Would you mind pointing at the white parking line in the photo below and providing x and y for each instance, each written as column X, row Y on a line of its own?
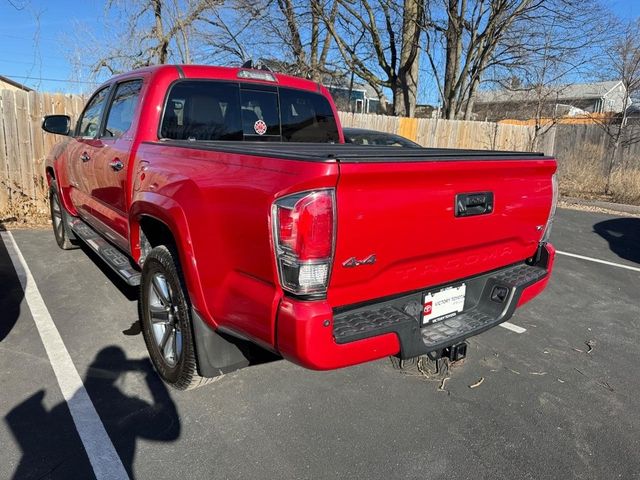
column 104, row 459
column 596, row 260
column 512, row 327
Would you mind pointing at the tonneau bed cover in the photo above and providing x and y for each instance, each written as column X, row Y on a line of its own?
column 349, row 153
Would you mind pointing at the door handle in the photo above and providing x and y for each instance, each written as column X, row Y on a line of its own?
column 116, row 164
column 85, row 157
column 469, row 204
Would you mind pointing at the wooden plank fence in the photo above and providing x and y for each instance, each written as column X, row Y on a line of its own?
column 441, row 133
column 24, row 146
column 582, row 150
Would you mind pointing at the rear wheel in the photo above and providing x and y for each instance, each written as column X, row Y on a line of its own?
column 58, row 218
column 165, row 316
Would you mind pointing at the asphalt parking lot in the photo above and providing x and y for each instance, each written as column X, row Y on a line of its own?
column 546, row 407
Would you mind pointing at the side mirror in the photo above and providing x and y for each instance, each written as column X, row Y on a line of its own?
column 58, row 124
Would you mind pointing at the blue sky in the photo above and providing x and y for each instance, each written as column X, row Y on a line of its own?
column 37, row 52
column 36, row 41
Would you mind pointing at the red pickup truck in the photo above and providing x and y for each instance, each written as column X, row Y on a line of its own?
column 229, row 196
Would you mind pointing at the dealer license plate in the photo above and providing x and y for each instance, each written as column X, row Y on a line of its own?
column 447, row 303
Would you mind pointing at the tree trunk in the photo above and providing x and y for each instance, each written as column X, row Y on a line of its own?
column 468, row 110
column 405, row 92
column 453, row 37
column 406, row 82
column 162, row 50
column 314, row 73
column 350, row 107
column 612, row 161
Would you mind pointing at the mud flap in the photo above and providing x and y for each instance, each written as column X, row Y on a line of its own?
column 216, row 353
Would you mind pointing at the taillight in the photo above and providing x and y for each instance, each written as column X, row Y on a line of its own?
column 552, row 212
column 303, row 230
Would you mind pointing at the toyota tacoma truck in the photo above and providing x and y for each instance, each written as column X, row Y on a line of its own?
column 229, row 197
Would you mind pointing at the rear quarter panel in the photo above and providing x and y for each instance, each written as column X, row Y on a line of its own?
column 219, row 204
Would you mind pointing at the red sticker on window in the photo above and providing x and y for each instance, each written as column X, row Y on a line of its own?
column 260, row 127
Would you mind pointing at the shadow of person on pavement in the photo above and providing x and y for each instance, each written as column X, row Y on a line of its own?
column 11, row 293
column 623, row 235
column 48, row 438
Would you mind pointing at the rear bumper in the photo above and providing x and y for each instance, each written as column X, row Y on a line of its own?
column 314, row 335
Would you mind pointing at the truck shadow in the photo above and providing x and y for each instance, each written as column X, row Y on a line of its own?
column 11, row 293
column 131, row 293
column 623, row 235
column 254, row 354
column 50, row 447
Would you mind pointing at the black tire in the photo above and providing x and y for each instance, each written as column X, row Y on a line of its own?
column 162, row 289
column 58, row 219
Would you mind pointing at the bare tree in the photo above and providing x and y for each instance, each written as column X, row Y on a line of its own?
column 157, row 31
column 392, row 31
column 301, row 26
column 230, row 38
column 545, row 66
column 17, row 5
column 622, row 63
column 289, row 35
column 480, row 35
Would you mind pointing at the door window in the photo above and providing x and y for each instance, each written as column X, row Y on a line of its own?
column 122, row 109
column 89, row 123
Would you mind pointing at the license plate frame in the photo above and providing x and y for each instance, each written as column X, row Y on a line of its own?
column 442, row 304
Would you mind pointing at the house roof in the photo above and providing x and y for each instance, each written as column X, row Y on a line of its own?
column 561, row 92
column 15, row 84
column 342, row 83
column 338, row 80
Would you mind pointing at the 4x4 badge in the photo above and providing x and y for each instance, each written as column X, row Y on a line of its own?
column 354, row 262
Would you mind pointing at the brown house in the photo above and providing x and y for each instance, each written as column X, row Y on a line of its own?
column 8, row 84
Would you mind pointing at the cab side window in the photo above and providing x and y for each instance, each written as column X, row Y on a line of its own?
column 122, row 109
column 89, row 123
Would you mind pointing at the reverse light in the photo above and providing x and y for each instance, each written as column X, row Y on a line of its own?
column 552, row 212
column 303, row 232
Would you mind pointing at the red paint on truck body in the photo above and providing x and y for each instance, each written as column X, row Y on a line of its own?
column 218, row 205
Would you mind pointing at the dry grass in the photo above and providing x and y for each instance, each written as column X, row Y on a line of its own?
column 625, row 186
column 20, row 210
column 582, row 175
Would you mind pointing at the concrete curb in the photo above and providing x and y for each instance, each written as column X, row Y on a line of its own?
column 615, row 207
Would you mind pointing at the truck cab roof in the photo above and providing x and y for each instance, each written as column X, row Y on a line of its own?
column 248, row 75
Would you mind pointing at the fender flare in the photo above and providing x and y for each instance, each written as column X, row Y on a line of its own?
column 169, row 212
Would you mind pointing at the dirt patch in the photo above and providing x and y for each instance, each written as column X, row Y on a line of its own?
column 592, row 208
column 36, row 222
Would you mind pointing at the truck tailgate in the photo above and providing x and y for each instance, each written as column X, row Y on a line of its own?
column 398, row 231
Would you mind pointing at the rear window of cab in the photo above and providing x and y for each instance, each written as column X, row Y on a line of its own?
column 201, row 110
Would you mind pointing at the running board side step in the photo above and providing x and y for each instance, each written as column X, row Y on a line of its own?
column 113, row 257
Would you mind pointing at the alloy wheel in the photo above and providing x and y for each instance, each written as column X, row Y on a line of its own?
column 164, row 315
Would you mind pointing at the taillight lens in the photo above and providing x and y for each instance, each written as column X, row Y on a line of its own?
column 303, row 226
column 552, row 212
